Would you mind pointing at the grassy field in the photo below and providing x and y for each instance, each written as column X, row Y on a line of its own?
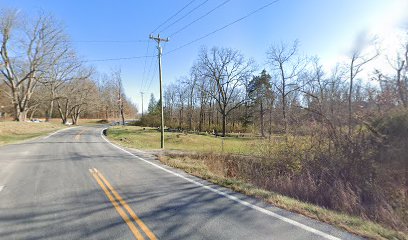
column 12, row 132
column 207, row 168
column 147, row 138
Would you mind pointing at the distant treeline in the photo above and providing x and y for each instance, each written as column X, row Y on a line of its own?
column 42, row 76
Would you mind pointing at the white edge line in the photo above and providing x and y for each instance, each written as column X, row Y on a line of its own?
column 235, row 199
column 51, row 134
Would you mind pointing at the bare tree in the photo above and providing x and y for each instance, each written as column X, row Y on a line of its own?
column 170, row 102
column 117, row 79
column 191, row 83
column 400, row 80
column 357, row 61
column 284, row 61
column 181, row 96
column 59, row 73
column 75, row 94
column 227, row 70
column 40, row 46
column 108, row 96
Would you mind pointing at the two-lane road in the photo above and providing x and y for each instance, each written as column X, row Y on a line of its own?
column 75, row 185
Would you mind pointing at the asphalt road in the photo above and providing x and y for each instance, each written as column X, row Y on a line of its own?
column 75, row 185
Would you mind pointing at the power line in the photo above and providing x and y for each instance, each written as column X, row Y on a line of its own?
column 206, row 14
column 148, row 74
column 222, row 28
column 153, row 76
column 107, row 41
column 117, row 59
column 145, row 61
column 174, row 15
column 185, row 15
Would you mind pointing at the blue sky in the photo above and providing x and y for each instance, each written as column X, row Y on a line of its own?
column 326, row 28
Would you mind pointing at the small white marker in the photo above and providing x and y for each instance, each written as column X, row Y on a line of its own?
column 1, row 188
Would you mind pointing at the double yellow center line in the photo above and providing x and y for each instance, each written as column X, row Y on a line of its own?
column 122, row 207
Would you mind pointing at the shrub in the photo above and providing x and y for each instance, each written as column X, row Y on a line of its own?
column 364, row 174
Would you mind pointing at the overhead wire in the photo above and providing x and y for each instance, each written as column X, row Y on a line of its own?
column 148, row 84
column 145, row 61
column 184, row 16
column 153, row 76
column 116, row 59
column 155, row 71
column 173, row 16
column 201, row 17
column 148, row 74
column 107, row 41
column 223, row 27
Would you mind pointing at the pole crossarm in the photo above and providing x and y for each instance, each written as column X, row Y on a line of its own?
column 158, row 39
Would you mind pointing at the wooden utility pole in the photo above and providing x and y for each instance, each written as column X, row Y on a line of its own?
column 158, row 40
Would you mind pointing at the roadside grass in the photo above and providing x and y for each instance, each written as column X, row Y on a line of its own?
column 13, row 132
column 147, row 138
column 356, row 225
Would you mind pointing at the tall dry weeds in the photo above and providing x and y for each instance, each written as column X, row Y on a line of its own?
column 363, row 174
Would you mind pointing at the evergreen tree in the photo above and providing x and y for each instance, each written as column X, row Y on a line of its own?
column 260, row 90
column 152, row 104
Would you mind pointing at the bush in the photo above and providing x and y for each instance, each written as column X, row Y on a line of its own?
column 364, row 174
column 103, row 121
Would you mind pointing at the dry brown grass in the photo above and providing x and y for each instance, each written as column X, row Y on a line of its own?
column 12, row 132
column 243, row 174
column 362, row 174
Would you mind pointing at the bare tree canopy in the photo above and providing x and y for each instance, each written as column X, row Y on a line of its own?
column 288, row 66
column 39, row 67
column 226, row 70
column 42, row 44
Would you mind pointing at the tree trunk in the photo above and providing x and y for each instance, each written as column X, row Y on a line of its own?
column 73, row 118
column 19, row 114
column 270, row 121
column 33, row 112
column 262, row 119
column 190, row 113
column 122, row 115
column 48, row 114
column 75, row 115
column 350, row 110
column 401, row 86
column 63, row 115
column 224, row 124
column 181, row 116
column 190, row 119
column 285, row 121
column 22, row 116
column 200, row 123
column 106, row 113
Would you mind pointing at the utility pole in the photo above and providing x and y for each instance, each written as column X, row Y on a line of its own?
column 158, row 40
column 142, row 102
